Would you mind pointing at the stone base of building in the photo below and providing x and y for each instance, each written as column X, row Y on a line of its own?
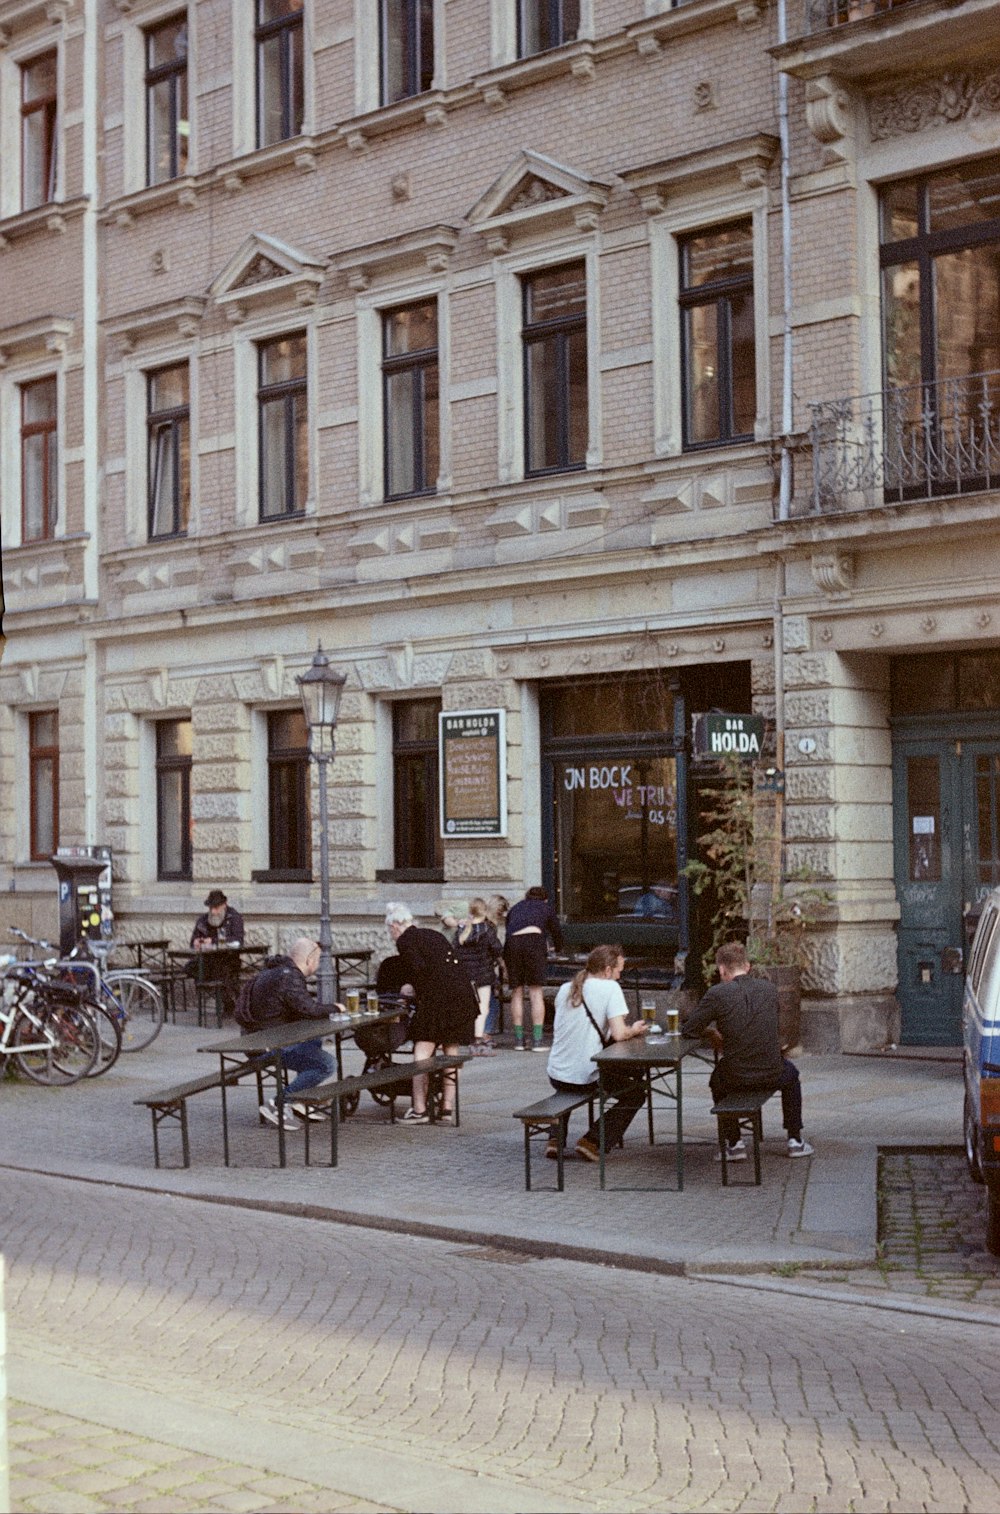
column 854, row 1022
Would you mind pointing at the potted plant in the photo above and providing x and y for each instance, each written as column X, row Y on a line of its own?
column 753, row 900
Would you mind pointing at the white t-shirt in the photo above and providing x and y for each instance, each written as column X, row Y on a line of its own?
column 575, row 1041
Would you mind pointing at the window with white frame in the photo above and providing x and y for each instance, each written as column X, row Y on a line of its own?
column 173, row 798
column 168, row 427
column 43, row 784
column 280, row 70
column 39, row 115
column 542, row 24
column 168, row 124
column 411, row 399
column 554, row 342
column 39, row 449
column 407, row 48
column 283, row 426
column 718, row 347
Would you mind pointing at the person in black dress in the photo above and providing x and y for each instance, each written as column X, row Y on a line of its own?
column 446, row 1001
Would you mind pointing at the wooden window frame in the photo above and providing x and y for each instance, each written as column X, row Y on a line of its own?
column 720, row 293
column 170, row 422
column 419, row 363
column 555, row 11
column 281, row 27
column 297, row 758
column 171, row 72
column 50, row 497
column 420, row 75
column 37, row 754
column 555, row 333
column 49, row 104
column 286, row 393
column 405, row 754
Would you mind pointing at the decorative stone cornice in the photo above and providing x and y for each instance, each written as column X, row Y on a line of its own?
column 429, row 247
column 830, row 117
column 32, row 339
column 745, row 162
column 51, row 218
column 833, row 572
column 154, row 322
column 918, row 103
column 266, row 271
column 17, row 16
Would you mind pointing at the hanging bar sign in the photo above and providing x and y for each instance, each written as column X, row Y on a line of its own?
column 473, row 773
column 720, row 735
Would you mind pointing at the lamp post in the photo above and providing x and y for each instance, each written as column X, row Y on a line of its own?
column 321, row 689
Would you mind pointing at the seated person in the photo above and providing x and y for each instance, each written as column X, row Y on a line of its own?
column 744, row 1011
column 591, row 1013
column 279, row 996
column 656, row 902
column 219, row 926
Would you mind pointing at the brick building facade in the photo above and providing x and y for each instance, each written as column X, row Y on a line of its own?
column 596, row 363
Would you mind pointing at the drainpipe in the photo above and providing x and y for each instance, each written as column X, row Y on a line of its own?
column 93, row 464
column 785, row 481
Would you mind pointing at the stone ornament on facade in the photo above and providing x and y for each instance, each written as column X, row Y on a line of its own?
column 928, row 625
column 830, row 117
column 920, row 103
column 537, row 195
column 833, row 572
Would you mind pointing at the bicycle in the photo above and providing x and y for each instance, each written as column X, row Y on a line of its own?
column 48, row 1032
column 44, row 976
column 133, row 1001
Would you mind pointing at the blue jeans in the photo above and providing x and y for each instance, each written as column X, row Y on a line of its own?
column 312, row 1064
column 493, row 1018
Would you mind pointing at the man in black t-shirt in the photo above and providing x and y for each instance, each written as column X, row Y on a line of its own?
column 744, row 1011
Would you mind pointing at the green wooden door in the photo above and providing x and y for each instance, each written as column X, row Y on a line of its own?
column 946, row 808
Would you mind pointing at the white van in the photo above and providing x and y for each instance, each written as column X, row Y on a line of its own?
column 981, row 1038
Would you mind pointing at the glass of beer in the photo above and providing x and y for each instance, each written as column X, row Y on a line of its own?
column 647, row 1008
column 353, row 1001
column 371, row 998
column 673, row 1022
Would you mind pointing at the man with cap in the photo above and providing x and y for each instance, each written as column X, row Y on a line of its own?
column 220, row 926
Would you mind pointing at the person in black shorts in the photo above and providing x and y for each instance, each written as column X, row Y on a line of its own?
column 525, row 956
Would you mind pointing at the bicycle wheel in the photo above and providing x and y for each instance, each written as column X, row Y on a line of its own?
column 138, row 1007
column 57, row 1044
column 109, row 1033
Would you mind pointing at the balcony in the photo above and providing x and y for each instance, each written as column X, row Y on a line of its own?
column 909, row 443
column 821, row 15
column 866, row 43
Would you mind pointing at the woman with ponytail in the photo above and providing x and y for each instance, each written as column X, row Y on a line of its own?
column 591, row 1013
column 478, row 948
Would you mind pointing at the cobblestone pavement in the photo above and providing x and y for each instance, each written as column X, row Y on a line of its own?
column 932, row 1234
column 419, row 1374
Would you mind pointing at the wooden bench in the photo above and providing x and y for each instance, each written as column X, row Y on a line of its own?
column 551, row 1116
column 171, row 1103
column 747, row 1108
column 337, row 1089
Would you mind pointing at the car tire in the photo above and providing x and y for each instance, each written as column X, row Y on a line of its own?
column 972, row 1154
column 993, row 1218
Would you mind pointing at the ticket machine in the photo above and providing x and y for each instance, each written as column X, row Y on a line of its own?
column 84, row 874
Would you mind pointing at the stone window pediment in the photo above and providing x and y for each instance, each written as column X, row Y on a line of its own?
column 16, row 16
column 153, row 323
column 265, row 271
column 536, row 197
column 428, row 249
column 743, row 164
column 28, row 340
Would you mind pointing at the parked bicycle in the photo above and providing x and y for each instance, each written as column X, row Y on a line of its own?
column 46, row 1028
column 48, row 974
column 135, row 1003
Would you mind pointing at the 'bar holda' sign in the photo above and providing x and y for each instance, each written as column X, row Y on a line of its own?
column 721, row 735
column 473, row 773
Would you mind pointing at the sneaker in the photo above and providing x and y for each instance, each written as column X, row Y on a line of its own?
column 416, row 1117
column 269, row 1111
column 799, row 1148
column 521, row 1045
column 483, row 1049
column 310, row 1112
column 587, row 1150
column 737, row 1153
column 552, row 1152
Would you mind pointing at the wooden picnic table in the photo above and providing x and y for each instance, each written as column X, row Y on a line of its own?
column 659, row 1059
column 181, row 956
column 261, row 1048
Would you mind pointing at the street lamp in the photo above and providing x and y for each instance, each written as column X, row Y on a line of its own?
column 321, row 689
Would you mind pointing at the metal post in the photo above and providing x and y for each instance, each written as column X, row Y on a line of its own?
column 324, row 974
column 4, row 1458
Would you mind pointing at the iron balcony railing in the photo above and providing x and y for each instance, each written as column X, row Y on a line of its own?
column 910, row 442
column 821, row 15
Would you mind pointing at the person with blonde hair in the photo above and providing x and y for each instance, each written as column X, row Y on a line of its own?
column 478, row 948
column 591, row 1014
column 446, row 1003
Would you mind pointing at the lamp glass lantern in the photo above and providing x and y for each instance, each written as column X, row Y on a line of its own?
column 321, row 689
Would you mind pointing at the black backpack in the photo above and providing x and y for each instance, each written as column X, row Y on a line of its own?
column 243, row 1012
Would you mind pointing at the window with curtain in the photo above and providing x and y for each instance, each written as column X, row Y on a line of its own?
column 280, row 70
column 555, row 369
column 407, row 37
column 542, row 24
column 39, row 445
column 168, row 125
column 717, row 335
column 43, row 773
column 283, row 418
column 168, row 426
column 173, row 799
column 39, row 112
column 411, row 399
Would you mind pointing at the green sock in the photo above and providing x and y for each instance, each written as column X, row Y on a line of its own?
column 536, row 1033
column 518, row 1032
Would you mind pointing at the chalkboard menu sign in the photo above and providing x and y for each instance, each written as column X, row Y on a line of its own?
column 473, row 769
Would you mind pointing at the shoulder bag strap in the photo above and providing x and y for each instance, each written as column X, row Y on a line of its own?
column 594, row 1023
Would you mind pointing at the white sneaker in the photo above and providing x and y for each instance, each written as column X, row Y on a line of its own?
column 310, row 1111
column 737, row 1153
column 269, row 1111
column 416, row 1117
column 799, row 1148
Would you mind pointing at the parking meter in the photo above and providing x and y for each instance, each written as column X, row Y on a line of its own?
column 84, row 874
